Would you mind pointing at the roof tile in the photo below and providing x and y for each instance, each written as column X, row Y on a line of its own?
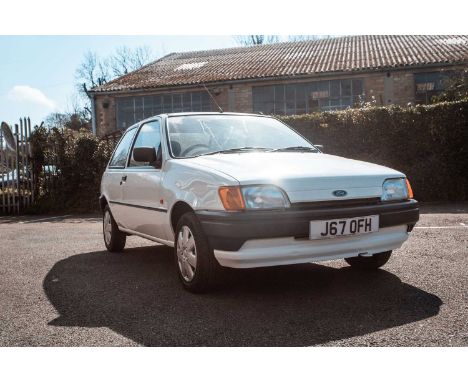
column 339, row 54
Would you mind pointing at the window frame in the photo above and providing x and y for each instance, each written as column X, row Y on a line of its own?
column 129, row 130
column 439, row 79
column 310, row 92
column 166, row 105
column 141, row 124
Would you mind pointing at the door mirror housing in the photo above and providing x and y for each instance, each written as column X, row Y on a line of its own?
column 320, row 147
column 144, row 154
column 148, row 155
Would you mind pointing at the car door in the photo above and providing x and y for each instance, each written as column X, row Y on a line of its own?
column 142, row 188
column 115, row 176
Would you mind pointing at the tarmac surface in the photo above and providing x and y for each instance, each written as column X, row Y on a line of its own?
column 59, row 287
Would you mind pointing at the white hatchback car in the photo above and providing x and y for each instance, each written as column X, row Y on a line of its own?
column 244, row 191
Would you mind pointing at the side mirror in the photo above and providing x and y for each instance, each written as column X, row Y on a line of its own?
column 148, row 155
column 144, row 154
column 320, row 147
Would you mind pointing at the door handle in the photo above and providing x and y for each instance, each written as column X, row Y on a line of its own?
column 124, row 178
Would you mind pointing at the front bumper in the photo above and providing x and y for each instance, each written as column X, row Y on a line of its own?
column 288, row 250
column 228, row 231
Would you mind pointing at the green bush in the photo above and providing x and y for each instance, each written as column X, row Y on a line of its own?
column 427, row 143
column 79, row 159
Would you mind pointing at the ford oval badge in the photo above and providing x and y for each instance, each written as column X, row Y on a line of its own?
column 340, row 193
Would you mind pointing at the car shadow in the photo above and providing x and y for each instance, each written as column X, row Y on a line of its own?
column 137, row 294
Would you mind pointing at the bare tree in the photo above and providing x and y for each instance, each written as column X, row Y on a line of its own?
column 250, row 40
column 308, row 37
column 91, row 72
column 126, row 60
column 95, row 71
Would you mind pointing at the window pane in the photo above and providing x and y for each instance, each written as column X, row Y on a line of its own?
column 147, row 107
column 263, row 99
column 205, row 101
column 187, row 102
column 167, row 103
column 428, row 85
column 177, row 103
column 279, row 99
column 119, row 158
column 139, row 112
column 148, row 136
column 345, row 88
column 125, row 113
column 335, row 88
column 290, row 98
column 196, row 102
column 300, row 99
column 157, row 105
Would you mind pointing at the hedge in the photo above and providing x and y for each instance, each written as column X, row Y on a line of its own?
column 80, row 159
column 427, row 143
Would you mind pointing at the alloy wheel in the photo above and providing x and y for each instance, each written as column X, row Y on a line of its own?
column 107, row 227
column 186, row 253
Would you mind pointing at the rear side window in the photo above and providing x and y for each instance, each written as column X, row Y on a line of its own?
column 121, row 152
column 148, row 136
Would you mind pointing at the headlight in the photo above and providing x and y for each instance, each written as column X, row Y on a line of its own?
column 257, row 197
column 396, row 189
column 236, row 198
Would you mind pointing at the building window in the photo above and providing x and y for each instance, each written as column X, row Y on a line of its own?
column 428, row 85
column 131, row 110
column 307, row 97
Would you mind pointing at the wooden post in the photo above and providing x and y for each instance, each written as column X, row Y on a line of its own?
column 33, row 185
column 17, row 156
column 31, row 164
column 4, row 167
column 8, row 186
column 20, row 165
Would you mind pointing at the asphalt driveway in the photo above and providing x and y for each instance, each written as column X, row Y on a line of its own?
column 59, row 287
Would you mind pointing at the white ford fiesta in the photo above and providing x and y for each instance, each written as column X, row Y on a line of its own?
column 244, row 191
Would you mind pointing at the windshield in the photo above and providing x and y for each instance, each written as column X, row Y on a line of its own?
column 206, row 134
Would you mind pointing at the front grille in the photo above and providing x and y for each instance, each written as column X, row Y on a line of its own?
column 336, row 203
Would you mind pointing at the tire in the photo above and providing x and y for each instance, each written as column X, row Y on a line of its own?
column 114, row 239
column 372, row 262
column 196, row 266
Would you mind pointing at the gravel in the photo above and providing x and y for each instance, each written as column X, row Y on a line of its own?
column 59, row 287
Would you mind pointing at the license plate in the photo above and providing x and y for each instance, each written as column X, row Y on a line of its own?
column 321, row 229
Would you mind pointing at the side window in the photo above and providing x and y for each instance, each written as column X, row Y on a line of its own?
column 121, row 152
column 148, row 136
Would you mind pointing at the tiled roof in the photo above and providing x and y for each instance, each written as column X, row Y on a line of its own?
column 339, row 54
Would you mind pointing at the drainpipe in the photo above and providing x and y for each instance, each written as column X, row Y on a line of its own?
column 93, row 113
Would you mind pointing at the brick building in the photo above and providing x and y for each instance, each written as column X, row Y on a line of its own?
column 283, row 78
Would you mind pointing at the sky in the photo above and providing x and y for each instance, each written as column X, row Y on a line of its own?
column 37, row 73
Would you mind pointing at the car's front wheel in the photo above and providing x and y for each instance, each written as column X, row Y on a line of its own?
column 196, row 265
column 114, row 239
column 375, row 261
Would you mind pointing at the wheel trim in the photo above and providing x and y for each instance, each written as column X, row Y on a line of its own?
column 186, row 253
column 107, row 227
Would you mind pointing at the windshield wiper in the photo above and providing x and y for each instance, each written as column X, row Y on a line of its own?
column 238, row 150
column 298, row 148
